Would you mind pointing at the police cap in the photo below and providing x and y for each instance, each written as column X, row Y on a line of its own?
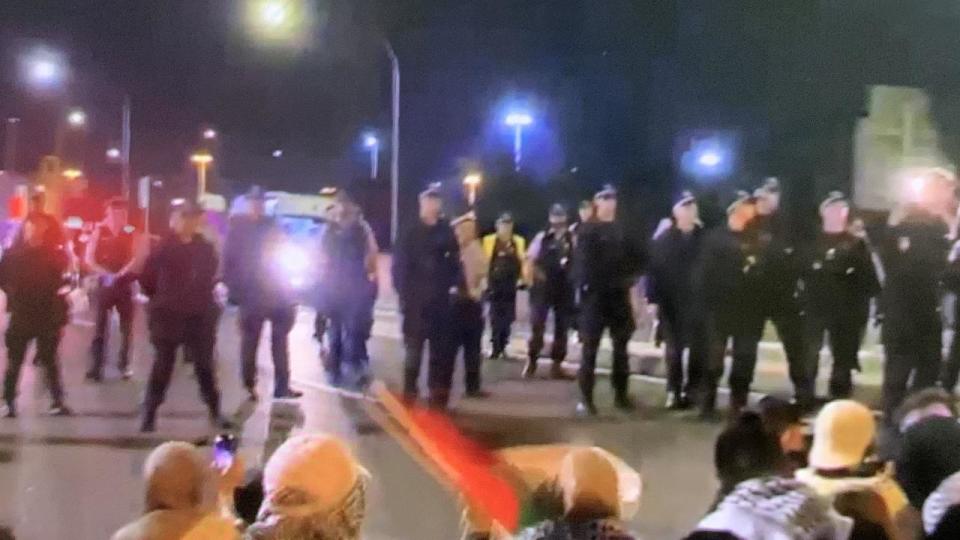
column 558, row 211
column 833, row 197
column 741, row 198
column 505, row 217
column 685, row 198
column 432, row 191
column 606, row 192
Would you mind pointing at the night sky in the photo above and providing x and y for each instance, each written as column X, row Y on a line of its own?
column 613, row 84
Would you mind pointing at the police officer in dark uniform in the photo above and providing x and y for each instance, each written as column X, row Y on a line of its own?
column 607, row 265
column 427, row 274
column 914, row 255
column 179, row 277
column 112, row 255
column 782, row 296
column 731, row 281
column 549, row 263
column 505, row 252
column 32, row 277
column 251, row 261
column 839, row 279
column 670, row 285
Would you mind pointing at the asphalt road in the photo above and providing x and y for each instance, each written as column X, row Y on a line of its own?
column 79, row 477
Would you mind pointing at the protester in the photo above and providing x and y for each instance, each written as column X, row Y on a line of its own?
column 32, row 277
column 929, row 470
column 782, row 419
column 924, row 404
column 505, row 252
column 181, row 499
column 468, row 306
column 840, row 462
column 313, row 489
column 589, row 487
column 756, row 502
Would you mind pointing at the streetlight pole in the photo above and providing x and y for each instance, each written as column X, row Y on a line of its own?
column 202, row 160
column 125, row 148
column 394, row 142
column 518, row 120
column 372, row 143
column 10, row 145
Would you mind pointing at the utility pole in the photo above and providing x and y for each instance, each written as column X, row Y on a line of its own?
column 125, row 148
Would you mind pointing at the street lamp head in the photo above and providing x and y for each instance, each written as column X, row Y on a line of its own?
column 710, row 158
column 72, row 174
column 77, row 118
column 113, row 153
column 209, row 134
column 472, row 180
column 278, row 153
column 280, row 23
column 201, row 158
column 371, row 141
column 515, row 119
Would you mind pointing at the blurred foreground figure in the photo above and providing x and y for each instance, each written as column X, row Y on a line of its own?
column 914, row 255
column 839, row 280
column 181, row 498
column 179, row 277
column 468, row 306
column 113, row 254
column 349, row 276
column 731, row 280
column 32, row 276
column 253, row 272
column 426, row 273
column 549, row 263
column 607, row 265
column 929, row 469
column 505, row 252
column 671, row 287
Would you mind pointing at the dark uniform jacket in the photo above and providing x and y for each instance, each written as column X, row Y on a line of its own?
column 551, row 267
column 179, row 277
column 31, row 277
column 345, row 280
column 670, row 281
column 114, row 252
column 732, row 279
column 426, row 267
column 838, row 276
column 783, row 263
column 250, row 265
column 914, row 256
column 606, row 260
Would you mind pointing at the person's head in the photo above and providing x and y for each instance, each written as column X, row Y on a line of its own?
column 465, row 227
column 431, row 205
column 344, row 210
column 605, row 204
column 842, row 434
column 505, row 226
column 928, row 456
column 768, row 197
column 834, row 213
column 741, row 212
column 186, row 217
column 557, row 216
column 924, row 404
column 116, row 213
column 590, row 485
column 178, row 478
column 586, row 211
column 313, row 486
column 745, row 450
column 783, row 420
column 37, row 200
column 35, row 230
column 686, row 213
column 256, row 202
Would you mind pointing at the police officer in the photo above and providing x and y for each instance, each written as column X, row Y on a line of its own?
column 251, row 259
column 585, row 212
column 548, row 267
column 426, row 273
column 32, row 276
column 670, row 285
column 839, row 280
column 731, row 281
column 113, row 255
column 179, row 277
column 468, row 304
column 782, row 299
column 914, row 255
column 505, row 252
column 607, row 264
column 349, row 273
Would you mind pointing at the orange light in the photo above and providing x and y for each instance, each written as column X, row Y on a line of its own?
column 201, row 158
column 72, row 174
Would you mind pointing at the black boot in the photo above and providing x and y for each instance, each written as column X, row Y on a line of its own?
column 9, row 409
column 530, row 371
column 708, row 405
column 148, row 424
column 624, row 402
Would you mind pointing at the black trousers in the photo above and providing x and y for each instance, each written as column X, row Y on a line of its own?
column 432, row 329
column 919, row 358
column 541, row 304
column 118, row 296
column 347, row 333
column 503, row 311
column 789, row 326
column 281, row 320
column 678, row 335
column 845, row 333
column 467, row 335
column 745, row 335
column 599, row 312
column 197, row 335
column 18, row 337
